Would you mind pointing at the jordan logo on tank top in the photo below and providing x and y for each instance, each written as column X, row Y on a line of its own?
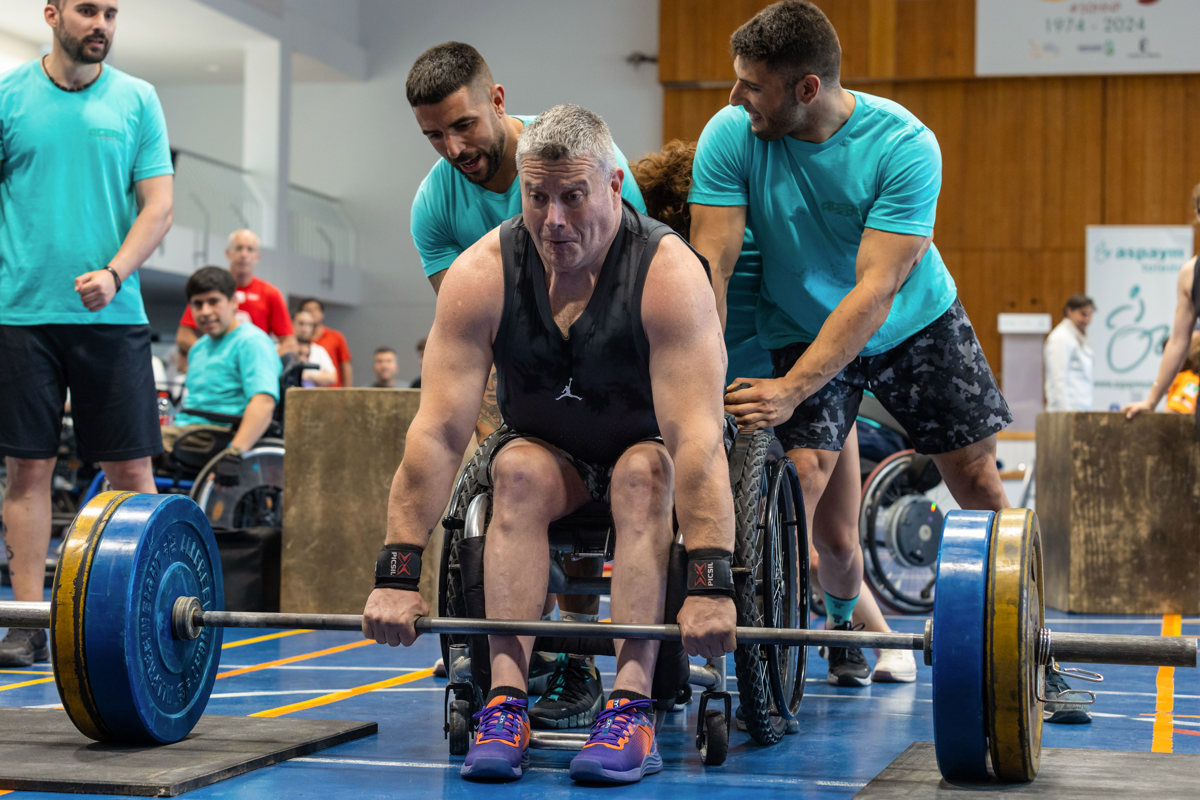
column 566, row 392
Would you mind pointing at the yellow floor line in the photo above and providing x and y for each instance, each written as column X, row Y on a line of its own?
column 345, row 695
column 1164, row 704
column 294, row 659
column 26, row 683
column 265, row 638
column 22, row 672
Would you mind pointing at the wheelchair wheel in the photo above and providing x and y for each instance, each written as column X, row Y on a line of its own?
column 771, row 582
column 255, row 500
column 452, row 601
column 900, row 528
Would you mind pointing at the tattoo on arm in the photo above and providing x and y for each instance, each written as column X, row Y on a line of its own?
column 489, row 414
column 8, row 551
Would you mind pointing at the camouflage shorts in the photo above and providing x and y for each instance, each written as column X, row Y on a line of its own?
column 936, row 383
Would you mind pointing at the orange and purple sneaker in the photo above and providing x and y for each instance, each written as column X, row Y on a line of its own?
column 501, row 746
column 622, row 747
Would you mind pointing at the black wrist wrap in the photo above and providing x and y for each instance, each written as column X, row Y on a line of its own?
column 398, row 567
column 709, row 572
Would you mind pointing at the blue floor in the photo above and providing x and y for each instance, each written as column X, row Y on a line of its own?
column 847, row 736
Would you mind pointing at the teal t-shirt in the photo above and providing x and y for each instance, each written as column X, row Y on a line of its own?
column 747, row 358
column 450, row 213
column 223, row 374
column 68, row 165
column 807, row 205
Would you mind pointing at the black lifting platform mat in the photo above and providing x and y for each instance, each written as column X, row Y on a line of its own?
column 1065, row 774
column 41, row 751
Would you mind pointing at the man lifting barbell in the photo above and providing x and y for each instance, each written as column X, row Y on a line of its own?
column 607, row 346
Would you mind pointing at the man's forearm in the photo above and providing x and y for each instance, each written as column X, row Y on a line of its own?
column 146, row 233
column 845, row 333
column 420, row 487
column 255, row 421
column 703, row 501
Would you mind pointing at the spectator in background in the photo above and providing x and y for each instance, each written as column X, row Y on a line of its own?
column 1187, row 301
column 385, row 368
column 1181, row 397
column 258, row 302
column 309, row 351
column 333, row 342
column 416, row 383
column 1067, row 358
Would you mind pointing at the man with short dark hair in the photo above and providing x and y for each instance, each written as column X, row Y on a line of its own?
column 608, row 354
column 234, row 367
column 85, row 198
column 259, row 302
column 385, row 368
column 840, row 189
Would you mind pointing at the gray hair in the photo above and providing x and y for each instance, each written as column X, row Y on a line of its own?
column 568, row 132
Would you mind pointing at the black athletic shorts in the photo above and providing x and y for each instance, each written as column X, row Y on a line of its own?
column 108, row 371
column 936, row 383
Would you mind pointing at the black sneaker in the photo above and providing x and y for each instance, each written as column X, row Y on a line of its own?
column 541, row 667
column 1062, row 713
column 847, row 665
column 572, row 698
column 22, row 647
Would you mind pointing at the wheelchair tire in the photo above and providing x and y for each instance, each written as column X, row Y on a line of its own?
column 256, row 501
column 771, row 583
column 458, row 727
column 899, row 527
column 451, row 597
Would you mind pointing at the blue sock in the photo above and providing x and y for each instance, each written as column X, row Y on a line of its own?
column 839, row 611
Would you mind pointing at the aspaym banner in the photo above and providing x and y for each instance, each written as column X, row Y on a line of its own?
column 1086, row 37
column 1131, row 276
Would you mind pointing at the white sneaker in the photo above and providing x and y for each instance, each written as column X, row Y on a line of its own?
column 895, row 666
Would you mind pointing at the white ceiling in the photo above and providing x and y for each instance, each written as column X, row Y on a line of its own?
column 170, row 42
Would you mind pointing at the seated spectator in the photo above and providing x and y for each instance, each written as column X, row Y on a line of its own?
column 233, row 367
column 385, row 368
column 258, row 301
column 333, row 342
column 309, row 351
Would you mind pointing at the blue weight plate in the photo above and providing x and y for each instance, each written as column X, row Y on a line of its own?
column 959, row 729
column 150, row 686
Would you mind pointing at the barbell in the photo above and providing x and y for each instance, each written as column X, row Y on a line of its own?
column 136, row 620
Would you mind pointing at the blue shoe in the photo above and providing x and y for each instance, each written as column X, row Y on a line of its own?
column 501, row 745
column 622, row 747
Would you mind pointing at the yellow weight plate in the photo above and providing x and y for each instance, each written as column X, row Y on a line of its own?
column 1014, row 618
column 67, row 601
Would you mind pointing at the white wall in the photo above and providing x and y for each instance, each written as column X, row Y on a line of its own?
column 358, row 141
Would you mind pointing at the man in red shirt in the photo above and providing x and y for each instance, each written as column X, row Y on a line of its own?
column 258, row 302
column 333, row 342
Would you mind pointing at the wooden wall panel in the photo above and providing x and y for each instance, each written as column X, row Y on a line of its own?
column 1151, row 153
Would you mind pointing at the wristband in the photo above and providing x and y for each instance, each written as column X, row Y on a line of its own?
column 709, row 572
column 116, row 279
column 398, row 567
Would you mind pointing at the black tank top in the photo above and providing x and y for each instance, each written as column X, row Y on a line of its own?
column 587, row 393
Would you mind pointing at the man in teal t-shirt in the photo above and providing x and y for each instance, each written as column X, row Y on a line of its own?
column 840, row 190
column 233, row 368
column 85, row 198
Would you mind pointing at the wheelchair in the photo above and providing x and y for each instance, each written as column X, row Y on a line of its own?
column 900, row 516
column 770, row 570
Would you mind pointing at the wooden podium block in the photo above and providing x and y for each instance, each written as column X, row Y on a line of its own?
column 1119, row 506
column 342, row 449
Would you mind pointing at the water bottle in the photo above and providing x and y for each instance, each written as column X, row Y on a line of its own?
column 166, row 411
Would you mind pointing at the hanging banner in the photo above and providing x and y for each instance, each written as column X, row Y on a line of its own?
column 1085, row 37
column 1131, row 275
